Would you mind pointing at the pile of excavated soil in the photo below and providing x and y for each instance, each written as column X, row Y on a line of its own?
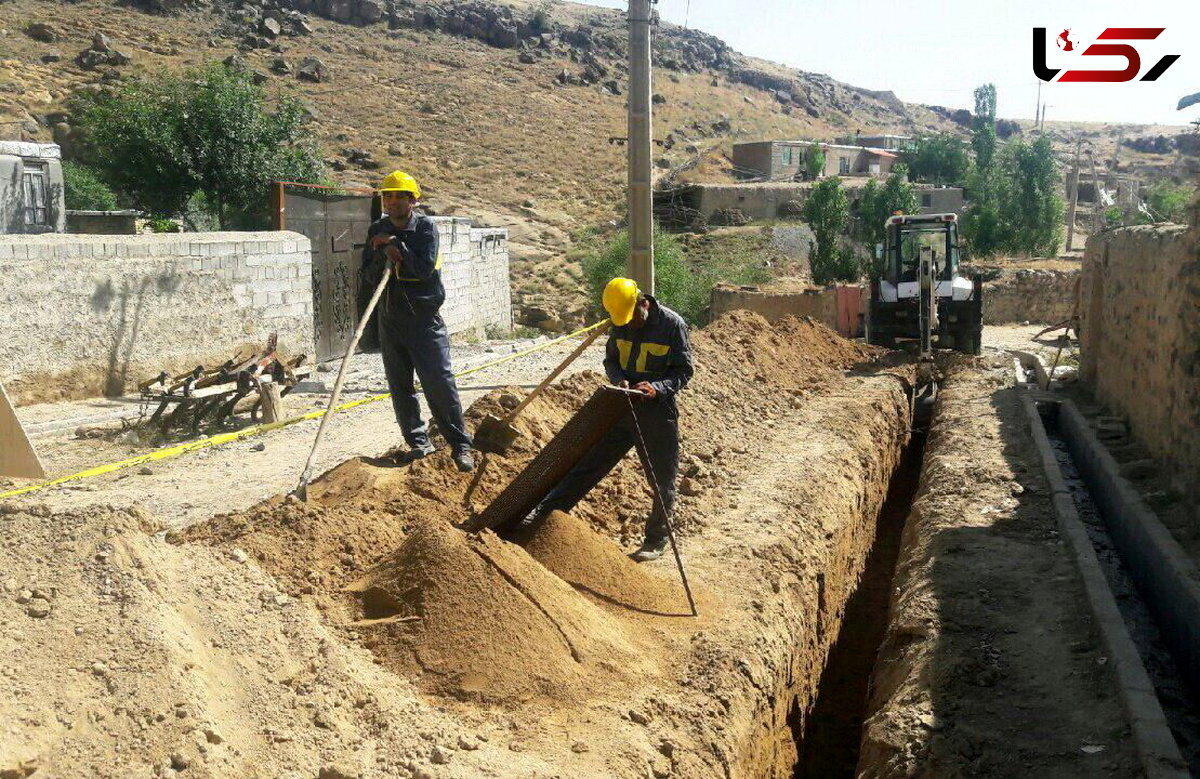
column 303, row 639
column 359, row 514
column 475, row 617
column 577, row 554
column 122, row 656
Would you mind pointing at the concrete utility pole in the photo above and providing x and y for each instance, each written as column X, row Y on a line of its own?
column 1037, row 111
column 1074, row 195
column 1097, row 203
column 641, row 207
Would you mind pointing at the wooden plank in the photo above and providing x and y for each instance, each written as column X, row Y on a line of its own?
column 17, row 456
column 272, row 403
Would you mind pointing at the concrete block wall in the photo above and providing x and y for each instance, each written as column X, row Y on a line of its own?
column 492, row 290
column 475, row 273
column 84, row 315
column 1140, row 340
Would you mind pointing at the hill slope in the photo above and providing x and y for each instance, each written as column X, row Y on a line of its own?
column 504, row 112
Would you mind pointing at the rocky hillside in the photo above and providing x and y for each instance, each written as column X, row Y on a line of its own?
column 505, row 112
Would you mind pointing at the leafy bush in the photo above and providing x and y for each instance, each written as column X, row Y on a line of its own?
column 683, row 286
column 814, row 162
column 1168, row 201
column 164, row 226
column 161, row 140
column 84, row 191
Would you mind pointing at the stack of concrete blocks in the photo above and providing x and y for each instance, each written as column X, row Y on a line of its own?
column 91, row 314
column 475, row 275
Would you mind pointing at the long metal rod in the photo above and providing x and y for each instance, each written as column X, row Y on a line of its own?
column 562, row 366
column 644, row 456
column 641, row 206
column 301, row 490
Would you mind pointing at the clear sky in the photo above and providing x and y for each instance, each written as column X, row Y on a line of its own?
column 938, row 52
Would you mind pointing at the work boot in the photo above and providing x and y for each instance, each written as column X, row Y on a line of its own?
column 652, row 549
column 414, row 454
column 464, row 460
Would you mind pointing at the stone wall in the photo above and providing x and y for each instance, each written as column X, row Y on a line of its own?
column 103, row 222
column 1140, row 340
column 820, row 304
column 87, row 315
column 1039, row 296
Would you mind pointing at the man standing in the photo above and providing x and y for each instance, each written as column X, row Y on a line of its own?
column 648, row 351
column 412, row 334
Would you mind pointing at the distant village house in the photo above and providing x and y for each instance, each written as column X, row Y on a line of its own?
column 785, row 160
column 31, row 188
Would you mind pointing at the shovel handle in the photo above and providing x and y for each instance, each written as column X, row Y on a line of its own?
column 562, row 366
column 337, row 385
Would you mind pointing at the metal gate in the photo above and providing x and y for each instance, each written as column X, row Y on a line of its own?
column 336, row 221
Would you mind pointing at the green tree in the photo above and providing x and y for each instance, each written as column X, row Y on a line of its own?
column 1168, row 201
column 1015, row 204
column 1031, row 210
column 814, row 162
column 938, row 159
column 84, row 191
column 827, row 212
column 684, row 286
column 983, row 222
column 879, row 202
column 983, row 126
column 161, row 141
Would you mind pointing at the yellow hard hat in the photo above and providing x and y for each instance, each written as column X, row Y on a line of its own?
column 399, row 181
column 620, row 299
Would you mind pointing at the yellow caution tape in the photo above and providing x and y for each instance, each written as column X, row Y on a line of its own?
column 225, row 438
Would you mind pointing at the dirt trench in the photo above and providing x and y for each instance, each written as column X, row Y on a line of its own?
column 560, row 658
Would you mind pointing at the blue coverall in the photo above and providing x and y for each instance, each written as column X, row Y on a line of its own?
column 412, row 334
column 658, row 353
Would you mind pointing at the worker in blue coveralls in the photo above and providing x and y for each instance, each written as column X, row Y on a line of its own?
column 412, row 334
column 647, row 350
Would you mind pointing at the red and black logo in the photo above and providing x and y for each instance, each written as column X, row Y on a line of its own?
column 1132, row 58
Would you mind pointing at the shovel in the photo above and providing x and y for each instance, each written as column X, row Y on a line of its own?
column 301, row 490
column 496, row 434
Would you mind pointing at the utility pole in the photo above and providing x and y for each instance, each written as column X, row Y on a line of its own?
column 1037, row 111
column 641, row 207
column 1097, row 203
column 1074, row 194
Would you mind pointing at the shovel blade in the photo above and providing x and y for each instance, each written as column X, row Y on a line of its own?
column 495, row 435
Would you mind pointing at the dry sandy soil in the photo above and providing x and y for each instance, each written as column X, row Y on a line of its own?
column 361, row 634
column 991, row 665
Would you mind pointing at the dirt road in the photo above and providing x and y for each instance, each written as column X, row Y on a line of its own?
column 237, row 475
